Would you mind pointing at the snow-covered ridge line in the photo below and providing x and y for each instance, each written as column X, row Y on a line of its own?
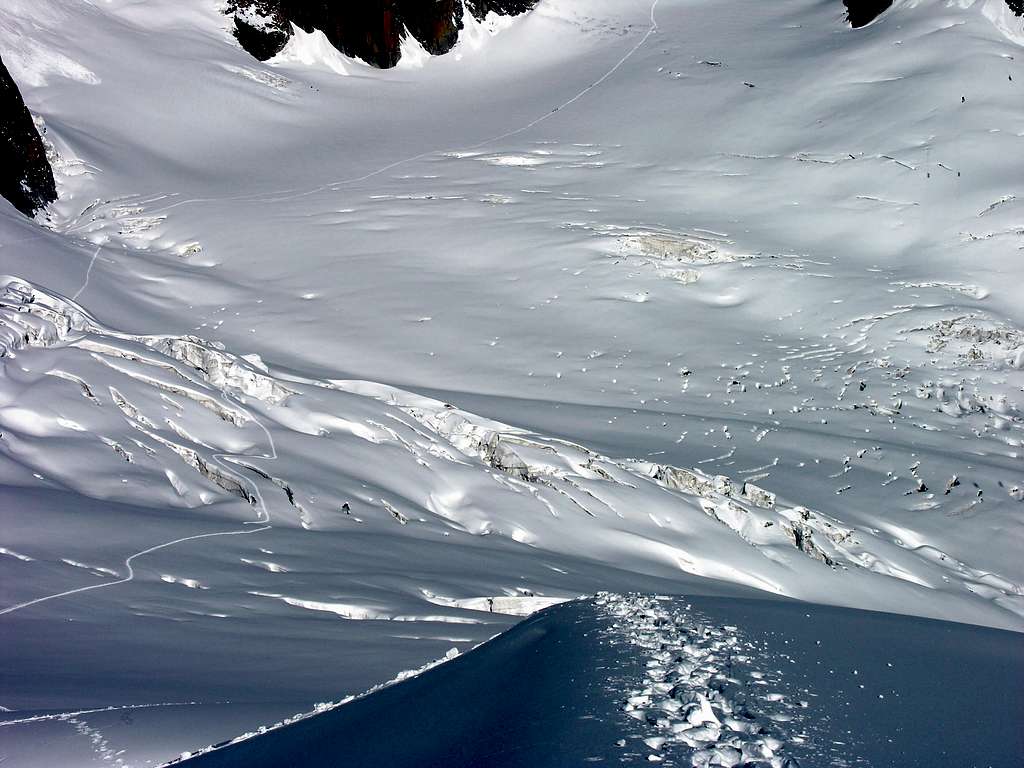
column 319, row 709
column 523, row 606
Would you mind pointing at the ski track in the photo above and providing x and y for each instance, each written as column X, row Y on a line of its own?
column 88, row 274
column 222, row 461
column 295, row 194
column 95, row 710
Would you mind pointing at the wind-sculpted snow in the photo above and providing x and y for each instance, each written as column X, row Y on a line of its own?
column 203, row 418
column 580, row 476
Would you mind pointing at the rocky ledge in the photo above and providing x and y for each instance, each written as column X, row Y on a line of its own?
column 371, row 30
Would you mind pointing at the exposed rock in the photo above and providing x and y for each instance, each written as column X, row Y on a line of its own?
column 682, row 479
column 503, row 458
column 758, row 496
column 1017, row 6
column 435, row 25
column 802, row 536
column 863, row 12
column 261, row 40
column 371, row 30
column 26, row 179
column 481, row 8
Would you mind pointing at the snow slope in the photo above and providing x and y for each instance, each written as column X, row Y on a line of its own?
column 714, row 297
column 636, row 679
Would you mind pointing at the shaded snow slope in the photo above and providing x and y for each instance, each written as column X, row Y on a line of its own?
column 311, row 372
column 634, row 680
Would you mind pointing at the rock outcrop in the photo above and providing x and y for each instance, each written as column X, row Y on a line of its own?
column 371, row 30
column 863, row 12
column 26, row 179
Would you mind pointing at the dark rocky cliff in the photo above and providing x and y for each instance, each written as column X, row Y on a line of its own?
column 371, row 30
column 862, row 12
column 26, row 179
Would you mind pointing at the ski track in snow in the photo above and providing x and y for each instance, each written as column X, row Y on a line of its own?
column 101, row 747
column 93, row 711
column 88, row 273
column 651, row 30
column 222, row 460
column 295, row 194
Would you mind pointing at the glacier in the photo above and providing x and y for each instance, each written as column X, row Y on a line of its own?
column 316, row 371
